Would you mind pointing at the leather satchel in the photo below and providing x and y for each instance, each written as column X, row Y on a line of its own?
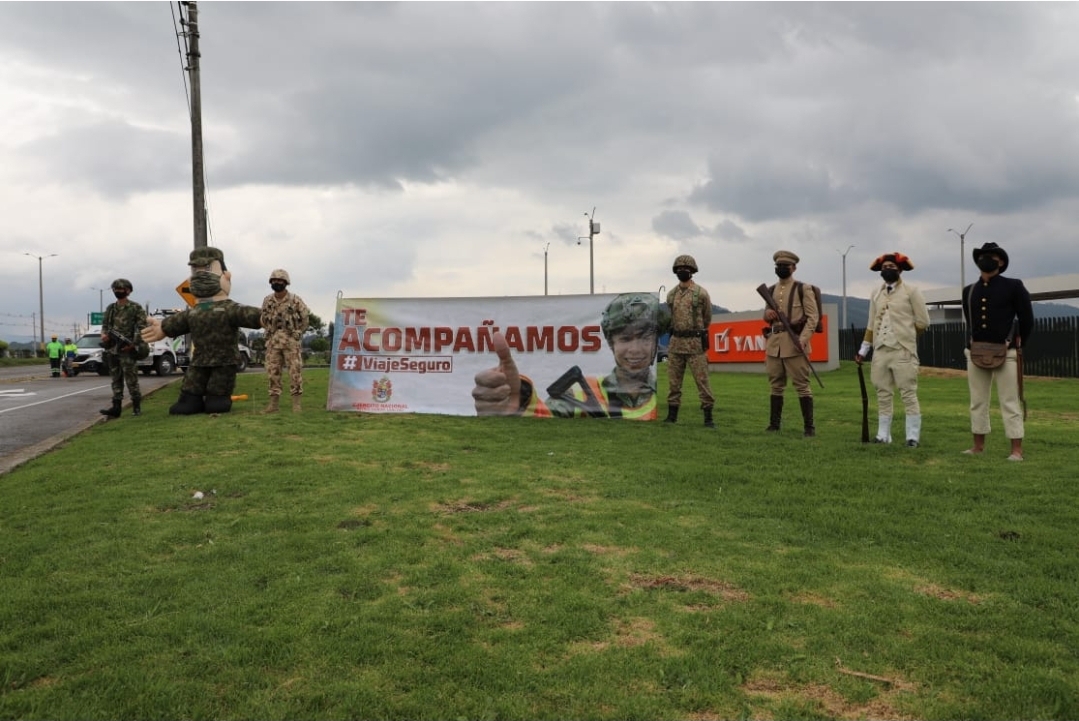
column 988, row 355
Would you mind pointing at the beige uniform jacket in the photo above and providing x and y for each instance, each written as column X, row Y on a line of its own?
column 903, row 310
column 779, row 343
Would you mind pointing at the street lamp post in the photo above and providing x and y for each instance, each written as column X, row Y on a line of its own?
column 100, row 299
column 593, row 231
column 962, row 258
column 545, row 249
column 41, row 291
column 844, row 254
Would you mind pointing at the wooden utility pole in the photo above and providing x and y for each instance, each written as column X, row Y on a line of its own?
column 198, row 175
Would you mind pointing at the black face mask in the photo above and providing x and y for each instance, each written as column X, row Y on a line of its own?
column 278, row 287
column 683, row 274
column 890, row 275
column 987, row 264
column 783, row 271
column 120, row 294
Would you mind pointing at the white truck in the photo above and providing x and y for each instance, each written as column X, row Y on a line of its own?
column 166, row 355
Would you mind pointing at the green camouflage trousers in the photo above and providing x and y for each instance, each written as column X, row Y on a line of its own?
column 280, row 355
column 210, row 380
column 122, row 369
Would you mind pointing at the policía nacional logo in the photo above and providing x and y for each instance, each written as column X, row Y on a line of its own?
column 382, row 390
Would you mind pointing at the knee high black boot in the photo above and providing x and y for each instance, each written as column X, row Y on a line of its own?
column 807, row 415
column 114, row 411
column 136, row 406
column 776, row 413
column 708, row 422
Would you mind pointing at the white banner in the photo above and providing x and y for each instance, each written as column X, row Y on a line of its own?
column 541, row 356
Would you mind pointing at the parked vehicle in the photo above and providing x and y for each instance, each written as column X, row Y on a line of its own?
column 90, row 357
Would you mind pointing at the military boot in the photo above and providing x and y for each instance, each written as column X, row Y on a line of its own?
column 113, row 412
column 708, row 422
column 273, row 406
column 136, row 406
column 296, row 408
column 672, row 415
column 807, row 415
column 776, row 414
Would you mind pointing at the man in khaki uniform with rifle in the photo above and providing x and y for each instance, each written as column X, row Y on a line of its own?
column 787, row 355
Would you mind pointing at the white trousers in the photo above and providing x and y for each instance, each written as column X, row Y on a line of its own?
column 980, row 381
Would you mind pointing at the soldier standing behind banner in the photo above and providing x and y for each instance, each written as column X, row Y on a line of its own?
column 691, row 314
column 783, row 355
column 897, row 317
column 992, row 306
column 285, row 318
column 124, row 318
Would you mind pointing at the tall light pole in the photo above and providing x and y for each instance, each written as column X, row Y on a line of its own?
column 844, row 254
column 593, row 231
column 962, row 258
column 41, row 291
column 100, row 299
column 545, row 249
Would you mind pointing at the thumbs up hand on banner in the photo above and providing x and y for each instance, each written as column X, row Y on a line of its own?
column 498, row 390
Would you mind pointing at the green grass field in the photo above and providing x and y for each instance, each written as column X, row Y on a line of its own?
column 428, row 567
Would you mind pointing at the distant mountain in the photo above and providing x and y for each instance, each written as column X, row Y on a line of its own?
column 858, row 309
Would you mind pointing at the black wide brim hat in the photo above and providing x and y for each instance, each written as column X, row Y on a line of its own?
column 995, row 250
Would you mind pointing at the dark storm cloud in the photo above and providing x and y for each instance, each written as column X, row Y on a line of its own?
column 109, row 158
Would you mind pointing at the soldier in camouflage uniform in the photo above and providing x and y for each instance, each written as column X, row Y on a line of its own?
column 631, row 324
column 213, row 323
column 127, row 319
column 691, row 314
column 285, row 318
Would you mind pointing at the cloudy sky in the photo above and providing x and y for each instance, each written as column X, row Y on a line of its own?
column 444, row 149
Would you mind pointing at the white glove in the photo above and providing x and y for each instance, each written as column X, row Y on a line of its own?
column 864, row 350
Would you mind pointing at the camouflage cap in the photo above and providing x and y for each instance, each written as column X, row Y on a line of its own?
column 205, row 256
column 280, row 274
column 123, row 284
column 785, row 256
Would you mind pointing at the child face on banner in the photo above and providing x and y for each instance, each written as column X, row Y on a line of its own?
column 634, row 347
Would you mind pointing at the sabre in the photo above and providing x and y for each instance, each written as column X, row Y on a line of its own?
column 1019, row 373
column 762, row 289
column 865, row 397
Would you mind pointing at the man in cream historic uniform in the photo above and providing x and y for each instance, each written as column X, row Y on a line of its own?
column 897, row 316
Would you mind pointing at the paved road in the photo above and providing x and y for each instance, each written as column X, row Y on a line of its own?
column 37, row 411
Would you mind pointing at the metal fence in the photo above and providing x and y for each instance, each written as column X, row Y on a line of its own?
column 1053, row 350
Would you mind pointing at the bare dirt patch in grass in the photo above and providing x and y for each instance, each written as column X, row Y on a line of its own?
column 470, row 506
column 726, row 591
column 608, row 550
column 946, row 594
column 814, row 599
column 831, row 703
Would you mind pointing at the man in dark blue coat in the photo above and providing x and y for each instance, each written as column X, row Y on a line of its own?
column 997, row 310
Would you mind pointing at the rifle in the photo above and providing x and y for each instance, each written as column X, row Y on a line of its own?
column 762, row 290
column 1019, row 372
column 561, row 387
column 865, row 397
column 126, row 345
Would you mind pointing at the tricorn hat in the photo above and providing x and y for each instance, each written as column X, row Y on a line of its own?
column 902, row 261
column 994, row 249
